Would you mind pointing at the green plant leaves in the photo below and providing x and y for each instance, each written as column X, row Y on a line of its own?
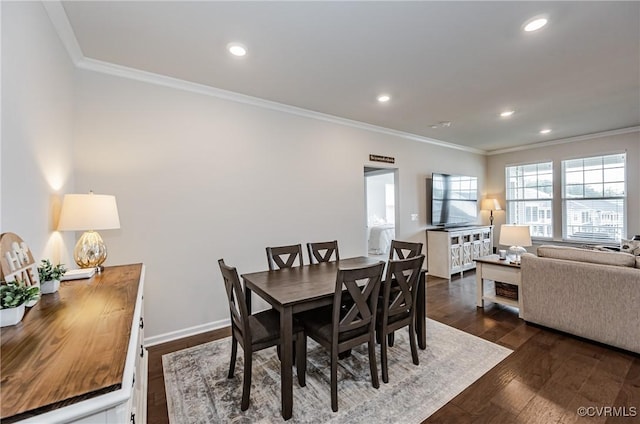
column 15, row 293
column 48, row 272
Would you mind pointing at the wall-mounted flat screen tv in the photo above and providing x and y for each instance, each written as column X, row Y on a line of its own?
column 454, row 200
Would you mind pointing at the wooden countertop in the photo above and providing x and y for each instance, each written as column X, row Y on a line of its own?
column 72, row 345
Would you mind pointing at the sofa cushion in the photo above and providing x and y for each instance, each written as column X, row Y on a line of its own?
column 637, row 261
column 585, row 255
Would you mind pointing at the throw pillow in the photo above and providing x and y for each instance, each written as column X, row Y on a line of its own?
column 630, row 246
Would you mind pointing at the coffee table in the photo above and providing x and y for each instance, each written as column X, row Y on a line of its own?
column 502, row 270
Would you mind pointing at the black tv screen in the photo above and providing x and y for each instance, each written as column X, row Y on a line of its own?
column 454, row 200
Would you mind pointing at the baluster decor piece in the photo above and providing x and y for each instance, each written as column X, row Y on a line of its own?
column 16, row 262
column 21, row 285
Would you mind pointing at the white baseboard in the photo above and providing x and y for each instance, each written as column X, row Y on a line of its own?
column 186, row 332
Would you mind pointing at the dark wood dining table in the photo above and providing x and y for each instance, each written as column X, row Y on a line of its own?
column 297, row 289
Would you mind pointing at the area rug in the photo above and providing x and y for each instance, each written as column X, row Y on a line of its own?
column 198, row 390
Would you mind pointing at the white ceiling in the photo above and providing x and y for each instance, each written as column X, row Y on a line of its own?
column 462, row 62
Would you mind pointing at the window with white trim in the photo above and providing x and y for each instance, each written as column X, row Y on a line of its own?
column 594, row 198
column 529, row 196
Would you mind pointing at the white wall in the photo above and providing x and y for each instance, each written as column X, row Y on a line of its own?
column 629, row 143
column 37, row 116
column 199, row 178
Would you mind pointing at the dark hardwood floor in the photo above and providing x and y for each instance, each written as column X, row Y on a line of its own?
column 545, row 380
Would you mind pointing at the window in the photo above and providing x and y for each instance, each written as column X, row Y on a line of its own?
column 593, row 198
column 530, row 197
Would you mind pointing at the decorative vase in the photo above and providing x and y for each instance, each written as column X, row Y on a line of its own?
column 48, row 287
column 34, row 301
column 11, row 316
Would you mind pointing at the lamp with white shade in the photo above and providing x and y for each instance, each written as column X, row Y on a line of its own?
column 88, row 213
column 490, row 205
column 516, row 236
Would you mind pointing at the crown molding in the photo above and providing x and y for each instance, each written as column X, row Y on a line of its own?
column 58, row 17
column 62, row 26
column 565, row 140
column 179, row 84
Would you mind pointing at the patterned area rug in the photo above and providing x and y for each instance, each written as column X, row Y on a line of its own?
column 199, row 392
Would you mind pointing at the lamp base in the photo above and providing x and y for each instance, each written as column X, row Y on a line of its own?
column 517, row 252
column 90, row 251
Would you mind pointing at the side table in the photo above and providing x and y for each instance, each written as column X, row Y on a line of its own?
column 493, row 268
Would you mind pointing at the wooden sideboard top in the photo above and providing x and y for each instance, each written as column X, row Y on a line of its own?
column 72, row 345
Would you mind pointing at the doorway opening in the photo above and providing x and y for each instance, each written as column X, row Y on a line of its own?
column 381, row 208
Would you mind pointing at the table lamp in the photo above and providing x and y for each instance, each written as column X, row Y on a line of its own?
column 89, row 212
column 516, row 236
column 490, row 205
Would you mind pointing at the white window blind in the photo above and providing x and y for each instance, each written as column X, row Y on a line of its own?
column 529, row 196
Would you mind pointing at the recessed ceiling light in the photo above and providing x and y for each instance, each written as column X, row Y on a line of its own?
column 545, row 131
column 383, row 98
column 507, row 113
column 237, row 49
column 535, row 24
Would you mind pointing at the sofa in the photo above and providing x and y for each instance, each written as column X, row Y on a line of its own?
column 589, row 293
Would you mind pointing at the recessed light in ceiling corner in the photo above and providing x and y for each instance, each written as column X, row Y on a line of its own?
column 507, row 113
column 535, row 24
column 545, row 131
column 237, row 49
column 384, row 98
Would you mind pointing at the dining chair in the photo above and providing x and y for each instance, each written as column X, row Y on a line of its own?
column 255, row 332
column 284, row 256
column 398, row 308
column 404, row 249
column 323, row 251
column 339, row 329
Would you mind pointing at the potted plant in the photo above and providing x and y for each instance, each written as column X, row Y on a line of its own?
column 50, row 276
column 13, row 296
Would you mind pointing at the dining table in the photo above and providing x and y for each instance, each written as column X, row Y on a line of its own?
column 301, row 288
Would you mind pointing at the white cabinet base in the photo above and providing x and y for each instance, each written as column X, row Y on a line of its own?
column 453, row 251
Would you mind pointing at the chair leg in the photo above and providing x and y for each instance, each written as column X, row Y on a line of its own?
column 234, row 352
column 383, row 361
column 246, row 385
column 372, row 361
column 412, row 341
column 334, row 381
column 391, row 339
column 301, row 362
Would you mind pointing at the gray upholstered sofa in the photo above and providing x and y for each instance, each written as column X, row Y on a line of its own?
column 589, row 293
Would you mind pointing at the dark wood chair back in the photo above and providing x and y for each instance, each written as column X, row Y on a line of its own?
column 404, row 250
column 255, row 332
column 284, row 256
column 237, row 306
column 399, row 288
column 323, row 251
column 351, row 321
column 358, row 309
column 399, row 302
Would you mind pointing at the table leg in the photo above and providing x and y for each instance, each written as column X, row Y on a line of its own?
column 247, row 296
column 479, row 286
column 286, row 362
column 421, row 312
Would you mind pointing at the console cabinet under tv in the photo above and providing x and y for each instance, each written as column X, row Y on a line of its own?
column 454, row 250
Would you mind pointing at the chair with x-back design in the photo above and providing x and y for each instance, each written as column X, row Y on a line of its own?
column 284, row 256
column 398, row 306
column 255, row 332
column 323, row 251
column 339, row 328
column 404, row 250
